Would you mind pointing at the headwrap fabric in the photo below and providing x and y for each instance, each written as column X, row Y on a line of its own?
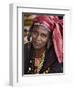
column 54, row 25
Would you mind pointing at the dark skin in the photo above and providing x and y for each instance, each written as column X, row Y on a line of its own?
column 40, row 38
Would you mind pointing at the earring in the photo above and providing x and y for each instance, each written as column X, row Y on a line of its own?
column 48, row 45
column 30, row 39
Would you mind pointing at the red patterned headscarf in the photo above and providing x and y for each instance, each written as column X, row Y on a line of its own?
column 54, row 25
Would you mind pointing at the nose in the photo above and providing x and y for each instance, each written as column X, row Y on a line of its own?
column 38, row 38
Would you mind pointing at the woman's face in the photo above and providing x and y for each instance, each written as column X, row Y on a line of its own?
column 39, row 37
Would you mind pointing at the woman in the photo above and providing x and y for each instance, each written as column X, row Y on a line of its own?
column 44, row 53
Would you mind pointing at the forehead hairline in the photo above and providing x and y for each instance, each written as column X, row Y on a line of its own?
column 36, row 27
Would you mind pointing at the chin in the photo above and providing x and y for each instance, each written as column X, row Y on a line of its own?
column 37, row 48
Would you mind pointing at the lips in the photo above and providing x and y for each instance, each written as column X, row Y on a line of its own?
column 37, row 44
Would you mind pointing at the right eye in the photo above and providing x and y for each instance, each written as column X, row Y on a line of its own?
column 35, row 33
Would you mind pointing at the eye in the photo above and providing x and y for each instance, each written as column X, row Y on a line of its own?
column 35, row 33
column 43, row 35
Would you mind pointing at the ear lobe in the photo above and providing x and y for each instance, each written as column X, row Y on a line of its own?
column 48, row 44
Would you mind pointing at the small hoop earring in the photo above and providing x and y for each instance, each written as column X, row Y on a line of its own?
column 48, row 45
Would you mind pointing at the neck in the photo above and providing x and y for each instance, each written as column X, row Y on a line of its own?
column 39, row 52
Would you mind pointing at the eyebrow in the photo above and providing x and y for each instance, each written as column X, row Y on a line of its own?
column 45, row 33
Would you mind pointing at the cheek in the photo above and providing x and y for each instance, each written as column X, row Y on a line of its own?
column 34, row 36
column 44, row 41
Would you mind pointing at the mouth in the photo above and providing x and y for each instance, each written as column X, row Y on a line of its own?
column 36, row 44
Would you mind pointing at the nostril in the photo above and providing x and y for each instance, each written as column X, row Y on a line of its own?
column 38, row 38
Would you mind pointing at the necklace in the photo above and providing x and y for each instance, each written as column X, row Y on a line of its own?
column 39, row 62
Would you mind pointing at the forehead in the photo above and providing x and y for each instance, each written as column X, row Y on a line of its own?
column 40, row 29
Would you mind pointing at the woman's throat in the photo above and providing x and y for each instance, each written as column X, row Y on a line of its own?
column 39, row 59
column 39, row 52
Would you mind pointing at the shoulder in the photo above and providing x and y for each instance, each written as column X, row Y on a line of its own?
column 52, row 62
column 27, row 45
column 27, row 49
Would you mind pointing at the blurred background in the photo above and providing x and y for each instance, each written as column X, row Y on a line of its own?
column 27, row 24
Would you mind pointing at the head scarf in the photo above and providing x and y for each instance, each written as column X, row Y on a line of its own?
column 54, row 25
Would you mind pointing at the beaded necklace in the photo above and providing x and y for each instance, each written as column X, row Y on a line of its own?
column 41, row 60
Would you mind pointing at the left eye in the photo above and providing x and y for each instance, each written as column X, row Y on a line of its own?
column 43, row 35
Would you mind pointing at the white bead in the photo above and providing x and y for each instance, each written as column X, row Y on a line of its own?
column 29, row 68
